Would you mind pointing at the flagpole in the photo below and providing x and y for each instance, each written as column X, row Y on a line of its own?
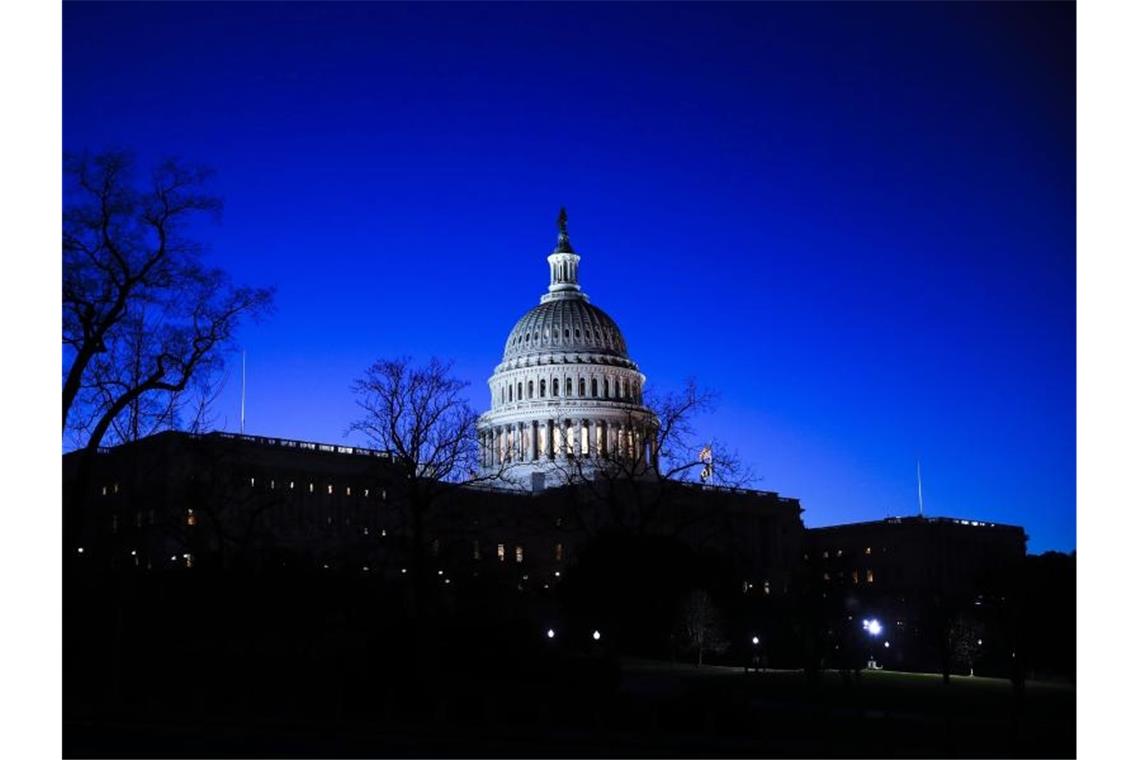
column 243, row 392
column 919, row 488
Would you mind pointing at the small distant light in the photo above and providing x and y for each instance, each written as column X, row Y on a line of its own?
column 597, row 635
column 557, row 573
column 549, row 633
column 887, row 644
column 173, row 558
column 366, row 568
column 755, row 640
column 326, row 567
column 440, row 572
column 133, row 552
column 447, row 580
column 80, row 550
column 403, row 569
column 979, row 642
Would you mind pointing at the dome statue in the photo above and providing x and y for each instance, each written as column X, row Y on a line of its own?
column 566, row 399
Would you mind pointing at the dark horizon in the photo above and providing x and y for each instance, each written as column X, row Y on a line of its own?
column 856, row 222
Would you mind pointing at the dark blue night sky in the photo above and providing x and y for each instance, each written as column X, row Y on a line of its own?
column 857, row 222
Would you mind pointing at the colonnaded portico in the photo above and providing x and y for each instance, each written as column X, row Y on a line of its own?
column 566, row 398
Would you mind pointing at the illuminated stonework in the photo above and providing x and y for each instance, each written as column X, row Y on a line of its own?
column 566, row 396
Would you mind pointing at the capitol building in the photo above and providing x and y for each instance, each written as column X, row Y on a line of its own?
column 566, row 399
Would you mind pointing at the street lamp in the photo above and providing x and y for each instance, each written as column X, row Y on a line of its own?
column 873, row 627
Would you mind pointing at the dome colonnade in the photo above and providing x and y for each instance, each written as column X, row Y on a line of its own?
column 566, row 389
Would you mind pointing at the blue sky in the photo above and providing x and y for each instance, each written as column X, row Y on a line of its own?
column 854, row 221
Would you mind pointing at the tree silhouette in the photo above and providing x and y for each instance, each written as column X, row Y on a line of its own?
column 420, row 416
column 698, row 627
column 144, row 319
column 638, row 482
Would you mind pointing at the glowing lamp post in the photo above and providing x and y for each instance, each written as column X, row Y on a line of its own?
column 874, row 628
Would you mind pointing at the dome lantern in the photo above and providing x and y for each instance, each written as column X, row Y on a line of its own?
column 563, row 266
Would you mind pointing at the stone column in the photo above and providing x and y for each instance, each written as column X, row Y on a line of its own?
column 534, row 440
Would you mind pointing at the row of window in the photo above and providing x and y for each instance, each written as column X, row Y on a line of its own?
column 329, row 489
column 623, row 388
column 868, row 576
column 604, row 336
column 838, row 553
column 501, row 552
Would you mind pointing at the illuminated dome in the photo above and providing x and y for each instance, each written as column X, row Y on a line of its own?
column 566, row 392
column 570, row 325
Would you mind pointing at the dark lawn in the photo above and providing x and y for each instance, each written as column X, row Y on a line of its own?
column 657, row 709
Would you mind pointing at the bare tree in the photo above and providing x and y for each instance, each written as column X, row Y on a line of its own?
column 964, row 641
column 637, row 479
column 698, row 627
column 420, row 416
column 143, row 317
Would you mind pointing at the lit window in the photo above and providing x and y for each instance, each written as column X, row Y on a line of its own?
column 558, row 552
column 825, row 555
column 191, row 518
column 290, row 485
column 189, row 559
column 366, row 493
column 330, row 489
column 116, row 488
column 475, row 550
column 252, row 482
column 867, row 550
column 501, row 552
column 518, row 554
column 870, row 575
column 310, row 488
column 855, row 577
column 272, row 485
column 767, row 587
column 104, row 490
column 348, row 490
